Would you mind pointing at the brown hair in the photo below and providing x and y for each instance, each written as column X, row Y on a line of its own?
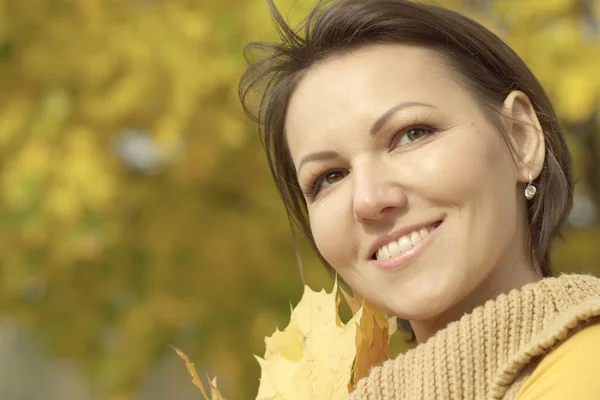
column 483, row 62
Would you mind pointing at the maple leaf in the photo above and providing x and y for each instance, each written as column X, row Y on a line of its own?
column 312, row 357
column 317, row 356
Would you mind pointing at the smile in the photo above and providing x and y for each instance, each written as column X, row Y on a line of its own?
column 400, row 251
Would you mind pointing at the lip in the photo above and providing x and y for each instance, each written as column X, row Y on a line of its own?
column 390, row 237
column 407, row 256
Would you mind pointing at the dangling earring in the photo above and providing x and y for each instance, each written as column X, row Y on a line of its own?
column 530, row 190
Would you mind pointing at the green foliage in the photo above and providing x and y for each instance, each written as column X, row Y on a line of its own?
column 110, row 261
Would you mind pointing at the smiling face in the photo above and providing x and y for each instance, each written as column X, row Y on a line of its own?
column 412, row 194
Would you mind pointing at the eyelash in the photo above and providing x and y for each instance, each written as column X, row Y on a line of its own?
column 425, row 126
column 312, row 189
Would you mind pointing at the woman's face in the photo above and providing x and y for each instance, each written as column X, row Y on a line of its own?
column 412, row 194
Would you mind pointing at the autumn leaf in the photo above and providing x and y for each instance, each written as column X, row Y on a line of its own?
column 372, row 338
column 317, row 356
column 215, row 394
column 312, row 357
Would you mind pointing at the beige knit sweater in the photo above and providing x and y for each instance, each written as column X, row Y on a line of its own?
column 489, row 353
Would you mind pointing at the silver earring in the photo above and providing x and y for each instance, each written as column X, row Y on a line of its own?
column 530, row 190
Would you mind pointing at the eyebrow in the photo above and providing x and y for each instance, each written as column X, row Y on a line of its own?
column 329, row 155
column 321, row 155
column 388, row 114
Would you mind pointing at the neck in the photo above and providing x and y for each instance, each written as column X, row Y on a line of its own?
column 502, row 280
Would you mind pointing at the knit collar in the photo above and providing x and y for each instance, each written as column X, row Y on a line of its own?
column 480, row 355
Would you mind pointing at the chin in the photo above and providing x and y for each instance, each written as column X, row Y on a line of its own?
column 423, row 304
column 420, row 311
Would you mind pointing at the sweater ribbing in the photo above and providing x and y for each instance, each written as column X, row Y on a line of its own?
column 489, row 353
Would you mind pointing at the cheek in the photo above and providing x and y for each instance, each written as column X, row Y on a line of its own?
column 465, row 166
column 472, row 176
column 331, row 226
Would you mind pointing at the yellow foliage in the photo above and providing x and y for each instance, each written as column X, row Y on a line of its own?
column 328, row 352
column 372, row 338
column 577, row 93
column 531, row 9
column 145, row 256
column 13, row 118
column 317, row 356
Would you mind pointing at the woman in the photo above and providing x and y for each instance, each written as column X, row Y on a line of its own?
column 427, row 166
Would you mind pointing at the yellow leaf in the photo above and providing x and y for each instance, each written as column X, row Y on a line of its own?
column 372, row 338
column 215, row 394
column 328, row 351
column 353, row 302
column 287, row 343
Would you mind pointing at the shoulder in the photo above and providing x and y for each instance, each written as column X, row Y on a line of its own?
column 569, row 371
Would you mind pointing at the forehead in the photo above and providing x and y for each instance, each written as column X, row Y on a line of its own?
column 356, row 87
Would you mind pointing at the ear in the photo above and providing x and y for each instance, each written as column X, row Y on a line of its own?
column 525, row 132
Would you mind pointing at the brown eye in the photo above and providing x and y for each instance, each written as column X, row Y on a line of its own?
column 333, row 177
column 411, row 135
column 328, row 178
column 416, row 133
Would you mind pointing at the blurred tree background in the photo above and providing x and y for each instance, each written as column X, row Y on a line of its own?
column 136, row 208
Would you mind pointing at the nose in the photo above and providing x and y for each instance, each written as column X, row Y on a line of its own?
column 377, row 195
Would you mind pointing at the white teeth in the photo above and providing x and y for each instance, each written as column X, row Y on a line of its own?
column 415, row 237
column 396, row 247
column 384, row 253
column 405, row 243
column 393, row 248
